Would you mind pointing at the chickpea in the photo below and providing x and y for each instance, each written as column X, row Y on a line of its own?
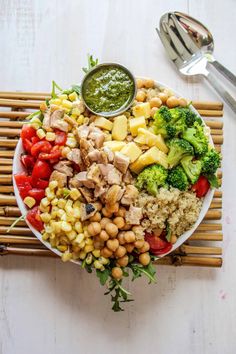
column 173, row 238
column 112, row 208
column 139, row 243
column 129, row 247
column 105, row 252
column 98, row 205
column 141, row 96
column 106, row 213
column 94, row 228
column 121, row 238
column 163, row 96
column 172, row 102
column 129, row 236
column 155, row 102
column 119, row 221
column 145, row 247
column 183, row 102
column 153, row 111
column 98, row 245
column 149, row 83
column 127, row 227
column 116, row 272
column 121, row 212
column 111, row 229
column 123, row 261
column 120, row 252
column 144, row 258
column 96, row 217
column 104, row 235
column 113, row 245
column 139, row 83
column 103, row 222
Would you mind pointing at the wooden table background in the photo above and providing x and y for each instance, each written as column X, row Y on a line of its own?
column 54, row 308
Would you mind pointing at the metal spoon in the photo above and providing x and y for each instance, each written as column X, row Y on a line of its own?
column 181, row 54
column 204, row 42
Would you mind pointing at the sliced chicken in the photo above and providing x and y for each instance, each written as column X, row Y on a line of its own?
column 109, row 153
column 64, row 167
column 75, row 156
column 47, row 120
column 57, row 121
column 100, row 191
column 114, row 194
column 61, row 178
column 114, row 177
column 79, row 104
column 70, row 121
column 131, row 193
column 98, row 156
column 82, row 132
column 80, row 180
column 87, row 194
column 94, row 174
column 87, row 211
column 134, row 215
column 128, row 178
column 121, row 162
column 97, row 136
column 85, row 148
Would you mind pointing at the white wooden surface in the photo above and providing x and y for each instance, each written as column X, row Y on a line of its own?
column 54, row 308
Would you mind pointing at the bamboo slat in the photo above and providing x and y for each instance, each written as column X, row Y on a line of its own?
column 6, row 153
column 4, row 221
column 8, row 143
column 21, row 251
column 209, row 227
column 14, row 115
column 186, row 249
column 210, row 113
column 18, row 103
column 5, row 179
column 12, row 239
column 215, row 106
column 9, row 133
column 11, row 124
column 215, row 262
column 6, row 161
column 7, row 200
column 6, row 169
column 214, row 124
column 207, row 236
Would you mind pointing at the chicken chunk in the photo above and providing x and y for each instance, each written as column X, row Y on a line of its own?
column 94, row 174
column 109, row 153
column 98, row 138
column 114, row 194
column 46, row 121
column 57, row 122
column 79, row 104
column 87, row 194
column 64, row 167
column 61, row 178
column 98, row 156
column 121, row 162
column 114, row 176
column 75, row 156
column 133, row 215
column 131, row 193
column 85, row 148
column 128, row 178
column 87, row 211
column 80, row 180
column 82, row 132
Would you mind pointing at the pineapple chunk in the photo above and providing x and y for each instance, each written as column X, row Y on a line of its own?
column 132, row 151
column 153, row 155
column 120, row 128
column 147, row 138
column 135, row 124
column 142, row 109
column 103, row 123
column 114, row 145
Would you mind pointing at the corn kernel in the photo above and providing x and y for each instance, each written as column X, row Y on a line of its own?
column 70, row 219
column 65, row 151
column 76, row 213
column 61, row 203
column 89, row 241
column 98, row 265
column 82, row 244
column 49, row 230
column 86, row 234
column 65, row 226
column 54, row 202
column 63, row 96
column 66, row 256
column 104, row 260
column 52, row 185
column 75, row 255
column 50, row 136
column 35, row 123
column 29, row 201
column 88, row 248
column 96, row 253
column 75, row 111
column 45, row 236
column 71, row 142
column 74, row 193
column 75, row 248
column 71, row 235
column 49, row 194
column 43, row 106
column 62, row 248
column 79, row 238
column 44, row 209
column 41, row 133
column 78, row 227
column 64, row 240
column 56, row 226
column 64, row 217
column 82, row 255
column 45, row 217
column 73, row 96
column 89, row 258
column 55, row 101
column 66, row 104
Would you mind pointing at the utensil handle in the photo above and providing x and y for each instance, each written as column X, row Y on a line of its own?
column 224, row 71
column 221, row 91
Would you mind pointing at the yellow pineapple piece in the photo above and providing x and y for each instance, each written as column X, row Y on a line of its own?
column 135, row 124
column 114, row 145
column 142, row 109
column 153, row 155
column 103, row 123
column 148, row 138
column 132, row 151
column 120, row 128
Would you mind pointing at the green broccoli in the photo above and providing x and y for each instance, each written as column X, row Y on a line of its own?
column 191, row 117
column 177, row 178
column 162, row 122
column 178, row 149
column 151, row 178
column 191, row 168
column 177, row 121
column 195, row 136
column 210, row 162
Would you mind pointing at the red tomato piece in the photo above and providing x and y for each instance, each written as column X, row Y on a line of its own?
column 40, row 146
column 201, row 187
column 35, row 139
column 27, row 145
column 27, row 132
column 33, row 217
column 158, row 246
column 41, row 170
column 37, row 194
column 60, row 138
column 54, row 154
column 28, row 162
column 23, row 183
column 40, row 183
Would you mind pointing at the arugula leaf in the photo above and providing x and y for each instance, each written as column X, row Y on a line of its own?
column 148, row 270
column 36, row 113
column 54, row 87
column 103, row 275
column 91, row 63
column 213, row 180
column 168, row 234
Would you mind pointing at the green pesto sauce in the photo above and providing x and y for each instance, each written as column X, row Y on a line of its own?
column 108, row 89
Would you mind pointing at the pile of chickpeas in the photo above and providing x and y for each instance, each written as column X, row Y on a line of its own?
column 116, row 239
column 161, row 97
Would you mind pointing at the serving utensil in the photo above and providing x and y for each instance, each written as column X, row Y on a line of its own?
column 182, row 51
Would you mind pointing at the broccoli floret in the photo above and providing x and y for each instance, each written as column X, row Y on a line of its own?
column 178, row 149
column 210, row 162
column 162, row 123
column 191, row 117
column 191, row 168
column 197, row 138
column 151, row 178
column 177, row 113
column 178, row 120
column 177, row 178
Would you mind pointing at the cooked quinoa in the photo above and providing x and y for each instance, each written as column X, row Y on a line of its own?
column 179, row 209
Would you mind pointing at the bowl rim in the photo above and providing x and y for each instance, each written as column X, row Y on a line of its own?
column 17, row 167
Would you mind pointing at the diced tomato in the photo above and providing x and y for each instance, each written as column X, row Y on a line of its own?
column 54, row 154
column 41, row 170
column 37, row 194
column 27, row 145
column 23, row 183
column 40, row 183
column 28, row 162
column 33, row 216
column 201, row 187
column 60, row 137
column 35, row 139
column 158, row 245
column 27, row 132
column 40, row 146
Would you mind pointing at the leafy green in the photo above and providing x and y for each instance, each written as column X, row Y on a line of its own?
column 22, row 217
column 168, row 232
column 138, row 270
column 213, row 180
column 55, row 87
column 91, row 63
column 103, row 275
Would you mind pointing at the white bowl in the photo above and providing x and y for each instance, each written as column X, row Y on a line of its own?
column 18, row 168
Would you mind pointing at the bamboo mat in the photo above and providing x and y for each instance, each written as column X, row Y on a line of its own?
column 202, row 249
